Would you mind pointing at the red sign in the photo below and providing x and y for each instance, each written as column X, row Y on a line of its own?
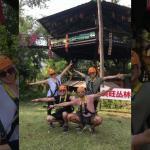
column 117, row 94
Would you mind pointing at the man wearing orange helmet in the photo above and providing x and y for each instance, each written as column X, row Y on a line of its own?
column 54, row 81
column 93, row 81
column 140, row 107
column 61, row 113
column 9, row 95
column 86, row 113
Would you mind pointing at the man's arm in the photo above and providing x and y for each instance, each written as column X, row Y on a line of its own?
column 140, row 139
column 117, row 76
column 66, row 69
column 64, row 104
column 45, row 99
column 80, row 73
column 5, row 147
column 39, row 82
column 102, row 93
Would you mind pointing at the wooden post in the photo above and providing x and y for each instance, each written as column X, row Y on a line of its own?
column 100, row 36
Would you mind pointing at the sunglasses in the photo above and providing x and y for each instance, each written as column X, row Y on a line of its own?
column 62, row 90
column 10, row 71
column 92, row 73
column 52, row 74
column 81, row 92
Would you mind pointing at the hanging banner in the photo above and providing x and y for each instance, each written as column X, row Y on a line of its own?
column 32, row 39
column 67, row 43
column 50, row 53
column 110, row 44
column 117, row 94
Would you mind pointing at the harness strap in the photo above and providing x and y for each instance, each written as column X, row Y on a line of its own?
column 52, row 95
column 11, row 94
column 3, row 136
column 15, row 121
column 136, row 89
column 57, row 85
column 13, row 125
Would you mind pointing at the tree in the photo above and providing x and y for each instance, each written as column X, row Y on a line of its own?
column 115, row 1
column 33, row 3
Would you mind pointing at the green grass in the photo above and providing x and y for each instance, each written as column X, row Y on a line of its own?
column 113, row 134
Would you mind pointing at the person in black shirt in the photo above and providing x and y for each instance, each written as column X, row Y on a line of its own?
column 60, row 114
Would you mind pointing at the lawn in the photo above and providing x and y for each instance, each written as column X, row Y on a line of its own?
column 113, row 134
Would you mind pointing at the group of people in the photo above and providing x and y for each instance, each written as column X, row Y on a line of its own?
column 9, row 103
column 61, row 104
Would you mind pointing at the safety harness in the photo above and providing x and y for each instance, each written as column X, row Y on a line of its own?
column 4, row 137
column 49, row 111
column 85, row 114
column 136, row 89
column 61, row 100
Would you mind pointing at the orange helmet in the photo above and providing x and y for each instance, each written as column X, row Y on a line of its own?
column 5, row 62
column 135, row 58
column 91, row 70
column 62, row 87
column 51, row 71
column 81, row 89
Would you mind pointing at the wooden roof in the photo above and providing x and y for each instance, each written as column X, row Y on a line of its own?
column 115, row 17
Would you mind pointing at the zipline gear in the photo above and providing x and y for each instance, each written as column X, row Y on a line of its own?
column 4, row 136
column 51, row 71
column 136, row 89
column 57, row 83
column 84, row 114
column 59, row 111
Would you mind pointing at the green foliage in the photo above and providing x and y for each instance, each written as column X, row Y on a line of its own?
column 25, row 24
column 115, row 1
column 113, row 104
column 3, row 39
column 11, row 19
column 9, row 44
column 33, row 3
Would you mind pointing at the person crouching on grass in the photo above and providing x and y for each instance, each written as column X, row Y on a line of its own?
column 60, row 114
column 86, row 113
column 93, row 81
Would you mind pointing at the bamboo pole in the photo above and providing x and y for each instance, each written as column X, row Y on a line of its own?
column 100, row 36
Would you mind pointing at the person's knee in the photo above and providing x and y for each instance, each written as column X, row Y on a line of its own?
column 49, row 118
column 64, row 114
column 72, row 118
column 97, row 121
column 69, row 117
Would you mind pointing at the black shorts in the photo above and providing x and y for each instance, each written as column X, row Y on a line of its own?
column 83, row 119
column 58, row 114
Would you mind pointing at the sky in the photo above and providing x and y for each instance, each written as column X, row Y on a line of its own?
column 55, row 6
